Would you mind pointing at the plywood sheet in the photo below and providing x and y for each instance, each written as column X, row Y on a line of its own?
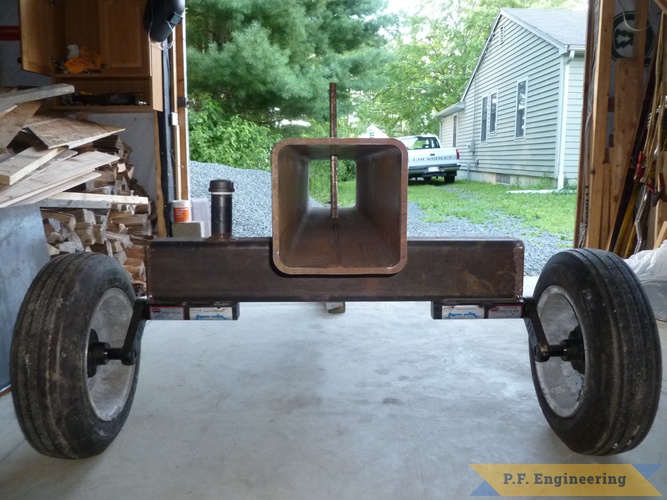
column 71, row 133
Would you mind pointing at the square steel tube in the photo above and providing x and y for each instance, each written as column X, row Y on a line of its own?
column 368, row 238
column 209, row 271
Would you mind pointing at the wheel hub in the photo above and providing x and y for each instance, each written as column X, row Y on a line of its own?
column 573, row 350
column 97, row 353
column 109, row 383
column 562, row 378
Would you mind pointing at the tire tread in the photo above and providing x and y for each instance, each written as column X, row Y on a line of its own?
column 635, row 382
column 41, row 322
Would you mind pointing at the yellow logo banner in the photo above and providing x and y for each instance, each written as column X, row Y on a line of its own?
column 537, row 480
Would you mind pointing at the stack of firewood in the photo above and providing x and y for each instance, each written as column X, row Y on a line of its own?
column 103, row 231
column 117, row 223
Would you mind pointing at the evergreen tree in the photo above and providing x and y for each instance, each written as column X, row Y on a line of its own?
column 268, row 60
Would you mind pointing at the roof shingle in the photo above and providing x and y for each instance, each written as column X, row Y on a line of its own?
column 565, row 26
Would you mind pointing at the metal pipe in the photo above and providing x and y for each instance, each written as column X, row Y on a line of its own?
column 333, row 117
column 221, row 208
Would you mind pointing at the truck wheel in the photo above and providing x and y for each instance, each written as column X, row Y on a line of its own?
column 66, row 407
column 449, row 178
column 604, row 399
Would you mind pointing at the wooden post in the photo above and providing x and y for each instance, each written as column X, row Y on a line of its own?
column 182, row 110
column 175, row 129
column 628, row 97
column 584, row 160
column 598, row 147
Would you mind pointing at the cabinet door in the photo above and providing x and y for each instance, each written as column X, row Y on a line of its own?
column 37, row 22
column 123, row 39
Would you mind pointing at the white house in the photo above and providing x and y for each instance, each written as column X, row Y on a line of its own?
column 519, row 118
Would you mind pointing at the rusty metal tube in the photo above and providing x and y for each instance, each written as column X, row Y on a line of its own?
column 368, row 238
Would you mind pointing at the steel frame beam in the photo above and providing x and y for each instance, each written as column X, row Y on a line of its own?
column 242, row 270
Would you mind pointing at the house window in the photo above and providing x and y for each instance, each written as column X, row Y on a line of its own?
column 520, row 130
column 485, row 117
column 493, row 112
column 455, row 126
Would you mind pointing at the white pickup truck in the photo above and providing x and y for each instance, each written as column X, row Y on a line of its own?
column 426, row 159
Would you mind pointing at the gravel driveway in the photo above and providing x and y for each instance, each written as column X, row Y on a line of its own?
column 252, row 215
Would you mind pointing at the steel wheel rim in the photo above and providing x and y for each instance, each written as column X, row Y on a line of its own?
column 561, row 384
column 109, row 389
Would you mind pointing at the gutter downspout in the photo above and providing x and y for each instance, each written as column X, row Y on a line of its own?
column 562, row 133
column 472, row 146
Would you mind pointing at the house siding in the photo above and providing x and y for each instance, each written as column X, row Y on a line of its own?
column 522, row 55
column 446, row 132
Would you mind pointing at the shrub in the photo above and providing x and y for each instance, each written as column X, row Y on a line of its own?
column 230, row 140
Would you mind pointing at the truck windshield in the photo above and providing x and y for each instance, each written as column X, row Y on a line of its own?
column 419, row 142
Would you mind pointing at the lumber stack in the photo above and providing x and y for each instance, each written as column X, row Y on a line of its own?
column 79, row 173
column 44, row 154
column 48, row 156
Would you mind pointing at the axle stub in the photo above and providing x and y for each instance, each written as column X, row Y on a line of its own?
column 100, row 353
column 570, row 349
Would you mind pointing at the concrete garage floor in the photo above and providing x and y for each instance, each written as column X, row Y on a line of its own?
column 290, row 402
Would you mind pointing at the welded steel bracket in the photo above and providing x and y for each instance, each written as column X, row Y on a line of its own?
column 571, row 349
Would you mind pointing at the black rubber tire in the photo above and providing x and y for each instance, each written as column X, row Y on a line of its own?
column 449, row 179
column 595, row 294
column 63, row 413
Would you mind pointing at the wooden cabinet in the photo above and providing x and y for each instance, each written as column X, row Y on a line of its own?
column 131, row 63
column 124, row 49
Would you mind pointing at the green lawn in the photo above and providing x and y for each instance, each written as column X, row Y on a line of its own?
column 476, row 201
